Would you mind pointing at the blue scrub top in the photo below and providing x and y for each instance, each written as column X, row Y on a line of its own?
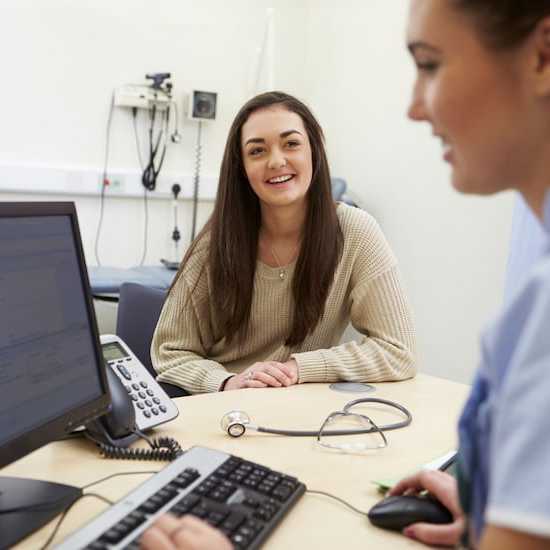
column 504, row 431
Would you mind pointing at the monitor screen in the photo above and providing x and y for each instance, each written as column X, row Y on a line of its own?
column 51, row 371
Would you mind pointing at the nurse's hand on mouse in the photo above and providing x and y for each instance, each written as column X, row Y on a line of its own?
column 443, row 487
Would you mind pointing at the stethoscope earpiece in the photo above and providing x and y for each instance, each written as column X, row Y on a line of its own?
column 235, row 422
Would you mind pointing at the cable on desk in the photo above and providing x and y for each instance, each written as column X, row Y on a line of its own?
column 116, row 475
column 66, row 511
column 312, row 492
column 48, row 503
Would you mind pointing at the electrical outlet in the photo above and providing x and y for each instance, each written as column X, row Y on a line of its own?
column 142, row 97
column 116, row 184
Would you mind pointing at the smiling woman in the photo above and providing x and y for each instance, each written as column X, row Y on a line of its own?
column 268, row 287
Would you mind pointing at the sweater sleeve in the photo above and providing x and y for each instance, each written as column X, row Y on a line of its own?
column 386, row 352
column 183, row 332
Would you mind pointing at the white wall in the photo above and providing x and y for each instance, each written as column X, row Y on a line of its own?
column 61, row 60
column 347, row 60
column 452, row 249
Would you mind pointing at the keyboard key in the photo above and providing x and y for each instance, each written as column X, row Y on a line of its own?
column 200, row 511
column 233, row 521
column 151, row 506
column 185, row 479
column 282, row 492
column 254, row 525
column 97, row 545
column 113, row 535
column 274, row 478
column 137, row 516
column 131, row 522
column 185, row 504
column 215, row 518
column 238, row 540
column 251, row 502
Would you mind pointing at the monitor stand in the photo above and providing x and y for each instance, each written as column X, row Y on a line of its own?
column 28, row 504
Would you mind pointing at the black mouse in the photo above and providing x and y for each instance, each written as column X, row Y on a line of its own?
column 398, row 512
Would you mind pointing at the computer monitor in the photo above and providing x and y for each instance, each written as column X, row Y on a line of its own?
column 52, row 376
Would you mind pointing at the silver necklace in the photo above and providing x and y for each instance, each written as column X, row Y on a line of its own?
column 282, row 270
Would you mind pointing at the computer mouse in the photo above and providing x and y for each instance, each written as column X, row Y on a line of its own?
column 398, row 512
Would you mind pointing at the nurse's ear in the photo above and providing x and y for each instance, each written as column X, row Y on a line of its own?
column 539, row 43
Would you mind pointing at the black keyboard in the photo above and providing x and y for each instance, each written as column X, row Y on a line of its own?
column 243, row 499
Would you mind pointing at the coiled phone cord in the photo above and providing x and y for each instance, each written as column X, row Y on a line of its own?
column 162, row 448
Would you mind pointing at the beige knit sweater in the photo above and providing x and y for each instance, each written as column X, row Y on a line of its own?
column 367, row 292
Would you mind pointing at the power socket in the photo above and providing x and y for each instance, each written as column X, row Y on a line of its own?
column 116, row 184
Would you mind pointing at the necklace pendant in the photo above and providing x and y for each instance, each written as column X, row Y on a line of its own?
column 282, row 275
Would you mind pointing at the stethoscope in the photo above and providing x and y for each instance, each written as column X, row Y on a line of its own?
column 235, row 423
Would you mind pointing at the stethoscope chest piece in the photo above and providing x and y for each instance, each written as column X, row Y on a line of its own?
column 235, row 422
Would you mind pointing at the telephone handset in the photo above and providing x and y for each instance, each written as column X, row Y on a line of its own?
column 138, row 403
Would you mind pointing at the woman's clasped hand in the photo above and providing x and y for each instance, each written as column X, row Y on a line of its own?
column 265, row 374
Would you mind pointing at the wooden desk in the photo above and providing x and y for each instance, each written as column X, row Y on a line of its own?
column 316, row 521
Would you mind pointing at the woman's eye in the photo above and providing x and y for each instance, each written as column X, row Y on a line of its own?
column 292, row 143
column 255, row 152
column 427, row 66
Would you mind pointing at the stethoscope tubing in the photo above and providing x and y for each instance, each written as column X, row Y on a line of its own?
column 315, row 433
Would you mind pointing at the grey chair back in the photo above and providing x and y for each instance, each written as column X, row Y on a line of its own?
column 139, row 308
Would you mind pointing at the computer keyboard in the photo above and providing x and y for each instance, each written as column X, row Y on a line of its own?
column 243, row 499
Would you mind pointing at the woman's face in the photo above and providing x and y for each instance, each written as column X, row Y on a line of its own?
column 277, row 156
column 475, row 99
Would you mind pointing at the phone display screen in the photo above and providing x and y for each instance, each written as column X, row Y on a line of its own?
column 113, row 351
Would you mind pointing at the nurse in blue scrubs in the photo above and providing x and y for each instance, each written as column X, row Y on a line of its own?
column 483, row 85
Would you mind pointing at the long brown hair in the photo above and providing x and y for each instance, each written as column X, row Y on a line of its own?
column 504, row 24
column 233, row 231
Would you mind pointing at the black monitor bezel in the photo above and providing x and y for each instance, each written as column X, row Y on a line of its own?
column 54, row 429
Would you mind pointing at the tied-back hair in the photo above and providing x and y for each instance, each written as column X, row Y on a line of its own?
column 233, row 232
column 504, row 24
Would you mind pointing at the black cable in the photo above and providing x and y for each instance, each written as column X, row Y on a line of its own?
column 162, row 448
column 312, row 492
column 104, row 180
column 66, row 511
column 146, row 227
column 151, row 172
column 196, row 181
column 136, row 135
column 145, row 203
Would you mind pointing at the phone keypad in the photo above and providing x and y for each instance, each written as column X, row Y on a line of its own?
column 146, row 403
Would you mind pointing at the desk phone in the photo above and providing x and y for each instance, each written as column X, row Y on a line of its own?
column 151, row 404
